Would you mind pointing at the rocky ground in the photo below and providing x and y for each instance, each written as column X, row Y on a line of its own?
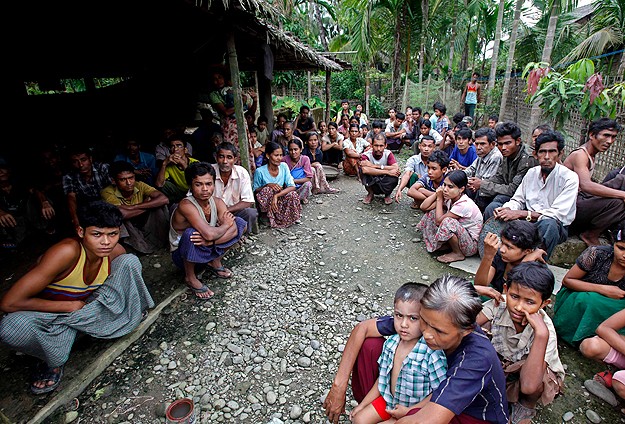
column 266, row 347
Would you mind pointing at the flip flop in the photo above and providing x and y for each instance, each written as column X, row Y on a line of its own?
column 201, row 290
column 47, row 374
column 388, row 201
column 222, row 269
column 604, row 377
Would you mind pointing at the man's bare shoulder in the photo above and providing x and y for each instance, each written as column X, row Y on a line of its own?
column 576, row 159
column 65, row 253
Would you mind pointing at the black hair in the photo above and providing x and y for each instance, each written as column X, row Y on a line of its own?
column 487, row 132
column 440, row 157
column 363, row 126
column 429, row 138
column 601, row 124
column 400, row 115
column 465, row 133
column 493, row 117
column 427, row 123
column 543, row 128
column 198, row 169
column 120, row 166
column 333, row 124
column 549, row 136
column 297, row 142
column 458, row 177
column 377, row 124
column 461, row 125
column 458, row 117
column 99, row 214
column 282, row 115
column 521, row 233
column 408, row 107
column 441, row 107
column 417, row 109
column 508, row 128
column 271, row 147
column 535, row 276
column 353, row 126
column 178, row 136
column 228, row 146
column 427, row 113
column 344, row 101
column 354, row 118
column 476, row 73
column 78, row 149
column 303, row 108
column 410, row 292
column 262, row 118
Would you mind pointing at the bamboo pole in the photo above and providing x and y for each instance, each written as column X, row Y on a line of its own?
column 328, row 75
column 238, row 103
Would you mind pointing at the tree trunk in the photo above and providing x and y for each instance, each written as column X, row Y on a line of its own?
column 464, row 62
column 367, row 94
column 513, row 36
column 396, row 82
column 621, row 66
column 536, row 113
column 425, row 11
column 495, row 57
column 238, row 103
column 323, row 36
column 452, row 43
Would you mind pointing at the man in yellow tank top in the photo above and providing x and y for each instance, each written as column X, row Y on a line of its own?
column 79, row 285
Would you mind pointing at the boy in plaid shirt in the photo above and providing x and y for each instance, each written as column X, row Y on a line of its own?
column 409, row 369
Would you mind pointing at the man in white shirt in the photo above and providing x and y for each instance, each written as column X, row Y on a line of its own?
column 233, row 185
column 547, row 195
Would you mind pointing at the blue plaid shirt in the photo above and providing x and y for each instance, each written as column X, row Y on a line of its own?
column 87, row 190
column 422, row 371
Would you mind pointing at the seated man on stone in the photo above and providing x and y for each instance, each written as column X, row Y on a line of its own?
column 600, row 206
column 379, row 171
column 202, row 230
column 416, row 166
column 170, row 179
column 488, row 160
column 496, row 190
column 233, row 185
column 85, row 181
column 143, row 163
column 143, row 208
column 546, row 195
column 85, row 284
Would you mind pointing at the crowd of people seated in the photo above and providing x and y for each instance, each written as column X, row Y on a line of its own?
column 191, row 194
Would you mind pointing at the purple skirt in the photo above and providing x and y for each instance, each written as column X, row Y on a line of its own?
column 204, row 254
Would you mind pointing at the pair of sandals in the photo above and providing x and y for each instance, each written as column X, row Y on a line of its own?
column 50, row 375
column 219, row 272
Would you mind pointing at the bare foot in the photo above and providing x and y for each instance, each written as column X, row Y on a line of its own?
column 590, row 238
column 368, row 198
column 450, row 257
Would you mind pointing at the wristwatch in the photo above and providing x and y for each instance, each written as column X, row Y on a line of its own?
column 529, row 216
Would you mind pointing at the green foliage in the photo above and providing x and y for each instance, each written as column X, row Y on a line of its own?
column 376, row 109
column 577, row 88
column 344, row 85
column 293, row 104
column 292, row 79
column 314, row 102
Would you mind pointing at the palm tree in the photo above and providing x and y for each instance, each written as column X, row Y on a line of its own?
column 495, row 57
column 511, row 50
column 607, row 31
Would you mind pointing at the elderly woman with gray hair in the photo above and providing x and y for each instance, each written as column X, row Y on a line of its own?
column 474, row 391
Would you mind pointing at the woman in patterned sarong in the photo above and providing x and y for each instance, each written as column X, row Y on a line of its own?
column 300, row 168
column 274, row 189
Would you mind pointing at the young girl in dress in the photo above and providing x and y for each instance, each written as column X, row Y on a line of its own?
column 453, row 220
column 314, row 153
column 299, row 165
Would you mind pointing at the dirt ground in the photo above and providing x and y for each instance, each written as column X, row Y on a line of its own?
column 305, row 284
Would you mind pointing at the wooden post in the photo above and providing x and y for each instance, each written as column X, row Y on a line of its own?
column 238, row 103
column 309, row 86
column 328, row 75
column 264, row 100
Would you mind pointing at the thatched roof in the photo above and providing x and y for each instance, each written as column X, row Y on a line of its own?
column 77, row 38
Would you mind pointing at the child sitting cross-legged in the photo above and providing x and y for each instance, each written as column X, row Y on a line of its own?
column 525, row 339
column 409, row 369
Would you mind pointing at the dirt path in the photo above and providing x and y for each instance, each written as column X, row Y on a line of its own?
column 266, row 347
